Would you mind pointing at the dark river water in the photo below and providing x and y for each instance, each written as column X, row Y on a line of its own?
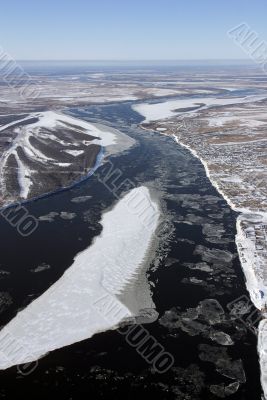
column 195, row 275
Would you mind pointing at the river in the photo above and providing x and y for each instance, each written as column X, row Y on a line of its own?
column 195, row 275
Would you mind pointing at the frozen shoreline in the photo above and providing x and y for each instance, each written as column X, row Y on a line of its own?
column 91, row 296
column 252, row 269
column 241, row 240
column 251, row 225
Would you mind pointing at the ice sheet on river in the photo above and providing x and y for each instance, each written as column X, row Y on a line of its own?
column 91, row 296
column 170, row 108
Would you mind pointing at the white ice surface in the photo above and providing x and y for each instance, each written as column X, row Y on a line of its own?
column 168, row 109
column 24, row 178
column 84, row 300
column 74, row 152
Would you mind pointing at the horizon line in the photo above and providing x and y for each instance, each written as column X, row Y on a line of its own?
column 136, row 60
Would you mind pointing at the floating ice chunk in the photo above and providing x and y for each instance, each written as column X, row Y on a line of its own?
column 67, row 215
column 81, row 199
column 84, row 301
column 74, row 152
column 41, row 268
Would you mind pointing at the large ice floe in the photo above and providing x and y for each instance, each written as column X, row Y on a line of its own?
column 170, row 108
column 91, row 296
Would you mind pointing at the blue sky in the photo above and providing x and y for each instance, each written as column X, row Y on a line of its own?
column 127, row 29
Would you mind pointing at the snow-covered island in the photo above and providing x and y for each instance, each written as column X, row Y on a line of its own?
column 46, row 151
